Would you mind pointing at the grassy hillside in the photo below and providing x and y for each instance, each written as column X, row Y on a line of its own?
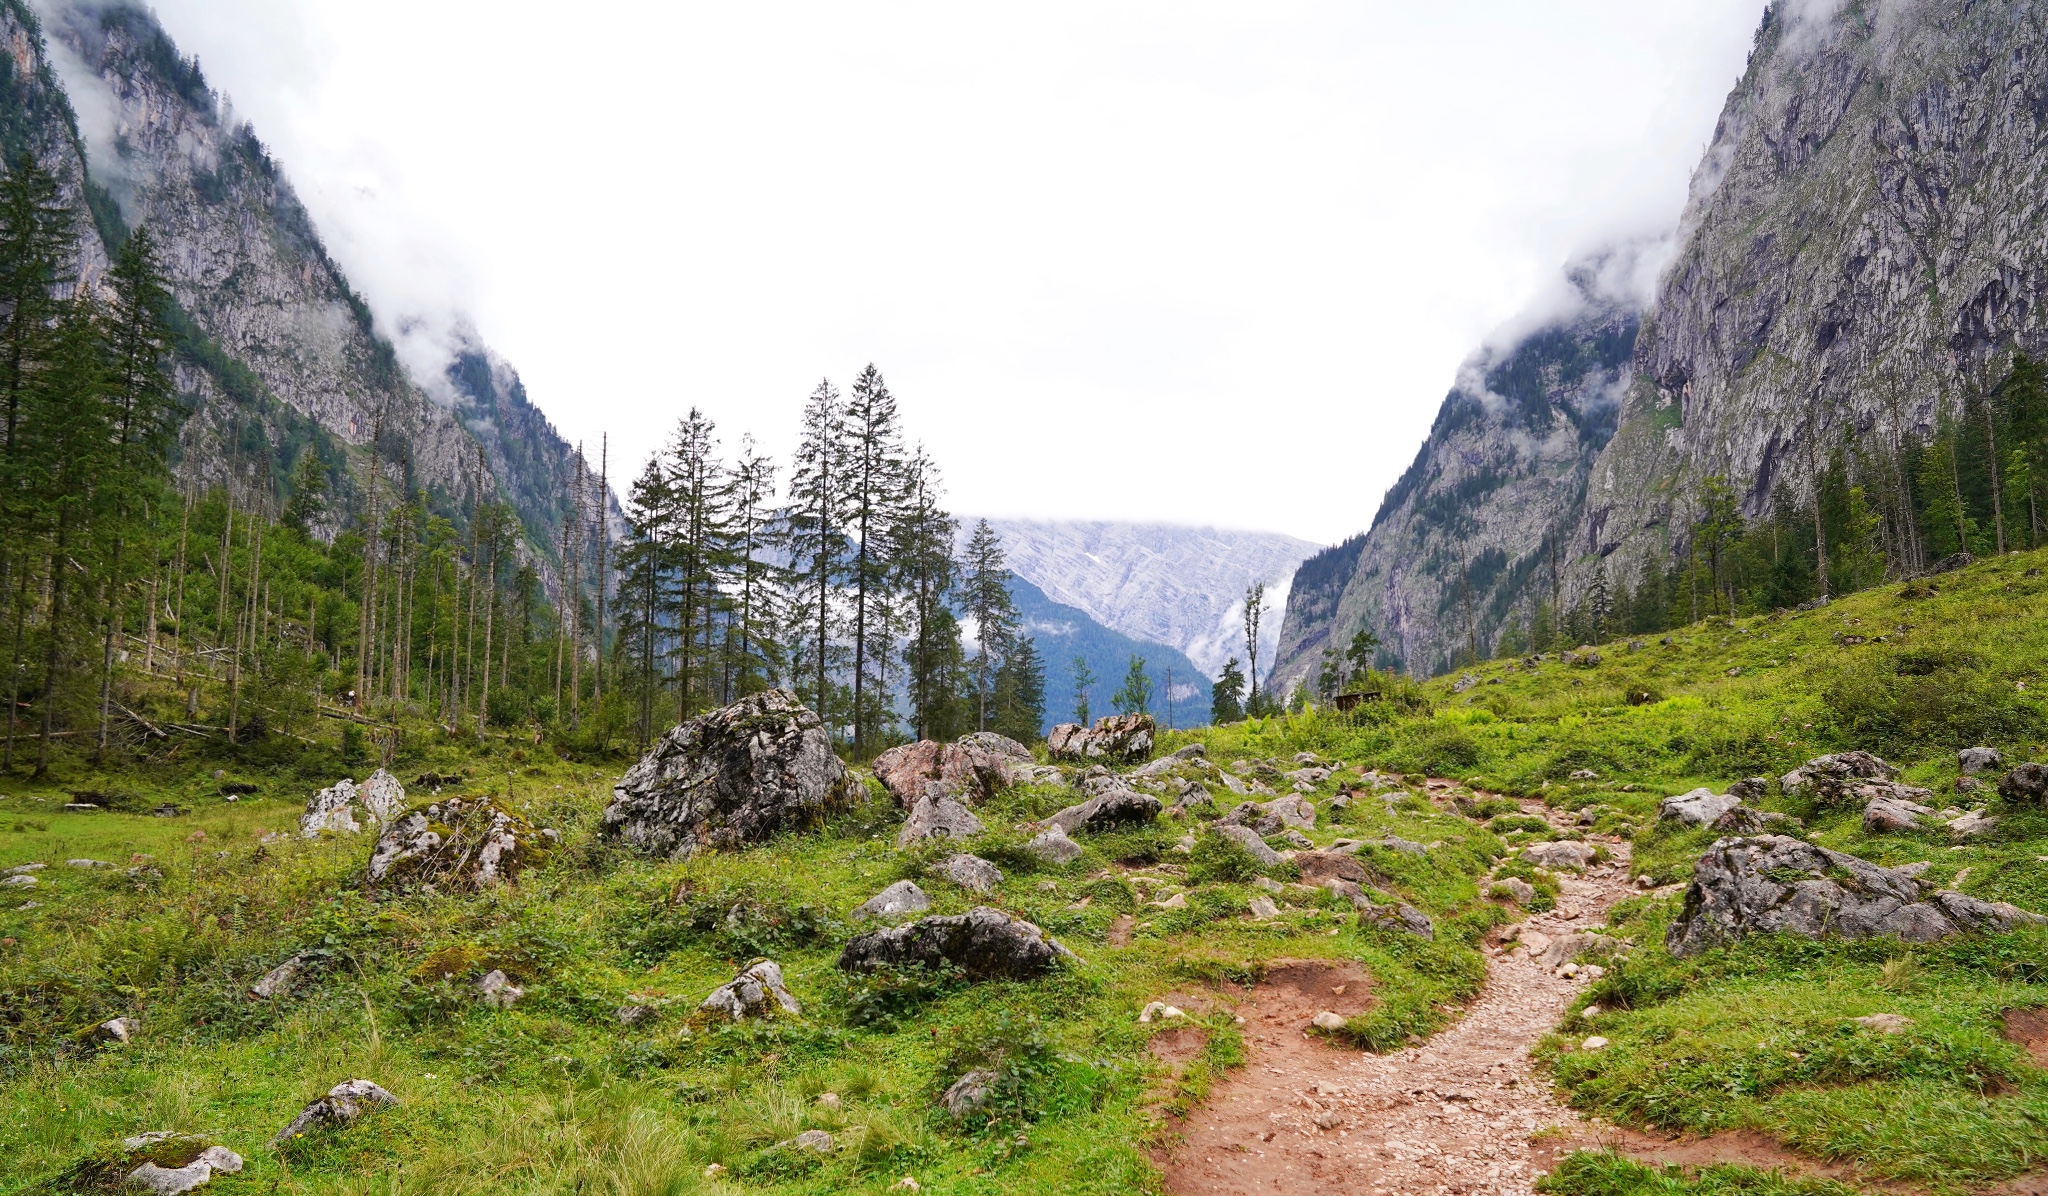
column 556, row 1094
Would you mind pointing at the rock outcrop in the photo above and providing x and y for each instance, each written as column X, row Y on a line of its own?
column 983, row 944
column 462, row 843
column 1775, row 884
column 1843, row 779
column 971, row 770
column 937, row 817
column 1701, row 807
column 971, row 872
column 1118, row 739
column 379, row 799
column 756, row 992
column 2025, row 785
column 1248, row 839
column 343, row 1103
column 1109, row 810
column 729, row 778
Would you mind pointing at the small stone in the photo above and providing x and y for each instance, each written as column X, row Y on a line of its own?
column 633, row 1015
column 906, row 1184
column 1327, row 1020
column 1268, row 884
column 1886, row 1023
column 343, row 1103
column 277, row 979
column 899, row 900
column 1249, row 839
column 19, row 869
column 971, row 872
column 1595, row 1043
column 968, row 1093
column 1591, row 1011
column 19, row 882
column 749, row 994
column 815, row 1141
column 1978, row 759
column 1177, row 901
column 498, row 991
column 120, row 1029
column 1515, row 889
column 88, row 863
column 1561, row 854
column 714, row 1171
column 1263, row 907
column 828, row 1100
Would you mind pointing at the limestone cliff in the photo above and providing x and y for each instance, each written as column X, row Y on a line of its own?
column 1465, row 532
column 276, row 353
column 1866, row 241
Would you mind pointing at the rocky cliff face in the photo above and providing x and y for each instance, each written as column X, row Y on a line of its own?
column 275, row 352
column 1465, row 533
column 1866, row 240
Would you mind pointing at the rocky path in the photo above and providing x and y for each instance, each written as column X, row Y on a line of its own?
column 1456, row 1114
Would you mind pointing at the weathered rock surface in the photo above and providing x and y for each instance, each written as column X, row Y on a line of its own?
column 971, row 770
column 457, row 843
column 1972, row 761
column 113, row 1030
column 971, row 872
column 1054, row 847
column 728, row 778
column 1559, row 854
column 332, row 809
column 984, row 944
column 1321, row 867
column 279, row 979
column 1839, row 780
column 899, row 900
column 756, row 992
column 343, row 1103
column 173, row 1163
column 1269, row 818
column 1107, row 811
column 1895, row 811
column 1701, row 807
column 2027, row 783
column 1248, row 839
column 497, row 990
column 1118, row 738
column 967, row 1094
column 937, row 817
column 1772, row 883
column 1400, row 916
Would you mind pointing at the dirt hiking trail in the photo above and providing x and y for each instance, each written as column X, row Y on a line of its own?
column 1454, row 1114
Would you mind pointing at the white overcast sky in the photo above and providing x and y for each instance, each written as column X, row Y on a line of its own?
column 1180, row 261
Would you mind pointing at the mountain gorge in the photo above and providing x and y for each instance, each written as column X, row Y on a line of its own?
column 277, row 354
column 1863, row 248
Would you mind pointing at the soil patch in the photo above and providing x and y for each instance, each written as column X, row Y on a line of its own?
column 2029, row 1028
column 1120, row 930
column 1179, row 1046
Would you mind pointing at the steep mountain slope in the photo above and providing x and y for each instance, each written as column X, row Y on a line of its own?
column 277, row 354
column 1179, row 586
column 1064, row 632
column 1460, row 538
column 1866, row 239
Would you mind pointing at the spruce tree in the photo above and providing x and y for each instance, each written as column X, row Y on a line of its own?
column 876, row 474
column 814, row 539
column 1254, row 613
column 1083, row 679
column 1226, row 697
column 1134, row 696
column 924, row 572
column 1020, row 692
column 986, row 600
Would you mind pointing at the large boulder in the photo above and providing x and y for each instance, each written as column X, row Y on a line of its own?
column 936, row 816
column 1563, row 853
column 466, row 843
column 1701, row 807
column 984, row 944
column 1773, row 883
column 378, row 800
column 972, row 770
column 1118, row 739
column 1053, row 846
column 1248, row 839
column 1838, row 780
column 1110, row 809
column 2027, row 783
column 1974, row 760
column 729, row 778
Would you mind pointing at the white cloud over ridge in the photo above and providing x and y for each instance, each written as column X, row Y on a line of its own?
column 1089, row 244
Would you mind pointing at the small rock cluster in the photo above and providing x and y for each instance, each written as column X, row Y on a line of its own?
column 379, row 799
column 1118, row 739
column 464, row 843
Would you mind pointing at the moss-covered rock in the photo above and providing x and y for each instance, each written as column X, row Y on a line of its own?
column 457, row 842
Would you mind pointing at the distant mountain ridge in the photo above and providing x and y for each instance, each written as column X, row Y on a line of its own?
column 1063, row 632
column 1182, row 587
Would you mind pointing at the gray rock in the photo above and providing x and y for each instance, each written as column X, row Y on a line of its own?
column 468, row 843
column 1248, row 839
column 87, row 864
column 2027, row 783
column 1894, row 811
column 383, row 798
column 1559, row 854
column 332, row 809
column 278, row 979
column 1838, row 780
column 899, row 900
column 1978, row 759
column 1269, row 818
column 1404, row 846
column 114, row 1030
column 938, row 817
column 497, row 990
column 815, row 1141
column 729, row 778
column 1111, row 809
column 971, row 872
column 1972, row 825
column 1464, row 683
column 1262, row 906
column 984, row 944
column 23, row 881
column 636, row 1015
column 1701, row 807
column 1951, row 563
column 1400, row 916
column 756, row 992
column 1321, row 867
column 343, row 1103
column 1515, row 889
column 967, row 1094
column 971, row 770
column 1750, row 788
column 1119, row 739
column 1772, row 883
column 1054, row 847
column 23, row 869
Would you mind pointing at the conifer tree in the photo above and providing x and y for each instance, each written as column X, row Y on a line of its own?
column 1254, row 613
column 1020, row 692
column 814, row 538
column 1134, row 696
column 1226, row 696
column 926, row 576
column 1083, row 679
column 986, row 599
column 875, row 472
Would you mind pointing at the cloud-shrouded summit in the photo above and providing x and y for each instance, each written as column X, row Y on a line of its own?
column 1117, row 242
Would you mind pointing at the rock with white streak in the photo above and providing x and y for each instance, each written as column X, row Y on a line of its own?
column 756, row 992
column 343, row 1103
column 894, row 903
